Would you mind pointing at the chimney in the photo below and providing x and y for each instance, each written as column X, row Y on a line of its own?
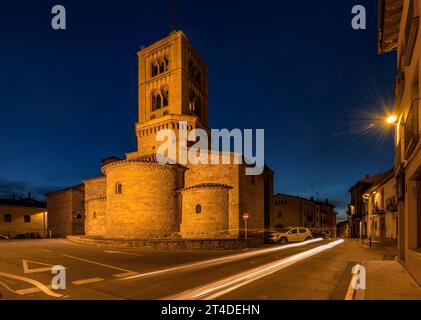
column 367, row 176
column 29, row 196
column 327, row 201
column 14, row 197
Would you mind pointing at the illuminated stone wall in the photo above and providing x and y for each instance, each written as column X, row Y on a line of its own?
column 66, row 211
column 147, row 206
column 95, row 207
column 205, row 212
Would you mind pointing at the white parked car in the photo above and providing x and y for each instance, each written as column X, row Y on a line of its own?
column 292, row 234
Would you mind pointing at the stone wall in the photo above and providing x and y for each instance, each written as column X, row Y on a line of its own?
column 171, row 244
column 96, row 206
column 205, row 212
column 148, row 205
column 64, row 207
column 227, row 174
column 252, row 201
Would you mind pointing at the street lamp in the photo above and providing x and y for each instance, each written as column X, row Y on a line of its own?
column 392, row 119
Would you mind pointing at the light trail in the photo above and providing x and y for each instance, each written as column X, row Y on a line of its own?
column 222, row 260
column 222, row 287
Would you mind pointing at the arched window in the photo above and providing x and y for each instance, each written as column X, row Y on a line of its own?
column 160, row 99
column 94, row 215
column 195, row 105
column 198, row 209
column 159, row 66
column 195, row 73
column 156, row 100
column 155, row 69
column 164, row 93
column 118, row 188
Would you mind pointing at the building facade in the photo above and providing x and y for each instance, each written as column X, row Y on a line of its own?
column 381, row 211
column 399, row 23
column 357, row 215
column 25, row 217
column 290, row 211
column 140, row 198
column 67, row 209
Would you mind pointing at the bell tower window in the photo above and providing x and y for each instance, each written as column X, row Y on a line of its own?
column 160, row 99
column 164, row 93
column 159, row 66
column 195, row 105
column 195, row 73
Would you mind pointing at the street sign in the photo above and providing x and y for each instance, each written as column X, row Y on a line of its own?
column 246, row 216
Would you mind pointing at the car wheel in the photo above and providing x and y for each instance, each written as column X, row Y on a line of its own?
column 283, row 241
column 308, row 238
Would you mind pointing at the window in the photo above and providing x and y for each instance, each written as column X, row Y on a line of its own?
column 303, row 230
column 198, row 209
column 293, row 231
column 27, row 218
column 94, row 215
column 118, row 188
column 7, row 218
column 195, row 105
column 279, row 214
column 160, row 99
column 164, row 93
column 195, row 73
column 159, row 66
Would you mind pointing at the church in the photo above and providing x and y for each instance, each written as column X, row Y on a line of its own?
column 139, row 198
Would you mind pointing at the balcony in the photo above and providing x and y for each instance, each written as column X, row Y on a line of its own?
column 412, row 135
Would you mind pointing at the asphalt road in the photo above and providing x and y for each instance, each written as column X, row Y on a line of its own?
column 301, row 271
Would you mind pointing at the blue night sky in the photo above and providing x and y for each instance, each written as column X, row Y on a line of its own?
column 294, row 68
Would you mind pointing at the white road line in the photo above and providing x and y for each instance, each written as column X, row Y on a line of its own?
column 8, row 288
column 224, row 286
column 87, row 281
column 223, row 260
column 45, row 250
column 31, row 290
column 37, row 284
column 36, row 270
column 126, row 273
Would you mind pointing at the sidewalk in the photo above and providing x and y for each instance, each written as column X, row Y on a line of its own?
column 386, row 278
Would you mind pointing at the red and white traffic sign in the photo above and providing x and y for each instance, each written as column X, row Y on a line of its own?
column 246, row 216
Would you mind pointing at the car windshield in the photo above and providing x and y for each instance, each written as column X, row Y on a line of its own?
column 284, row 230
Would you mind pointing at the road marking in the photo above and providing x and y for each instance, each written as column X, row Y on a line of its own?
column 36, row 270
column 8, row 288
column 45, row 250
column 127, row 253
column 37, row 284
column 31, row 290
column 126, row 273
column 223, row 260
column 351, row 290
column 224, row 286
column 87, row 281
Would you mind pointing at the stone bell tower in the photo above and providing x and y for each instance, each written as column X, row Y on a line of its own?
column 173, row 87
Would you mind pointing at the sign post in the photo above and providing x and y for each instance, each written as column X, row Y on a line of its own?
column 246, row 217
